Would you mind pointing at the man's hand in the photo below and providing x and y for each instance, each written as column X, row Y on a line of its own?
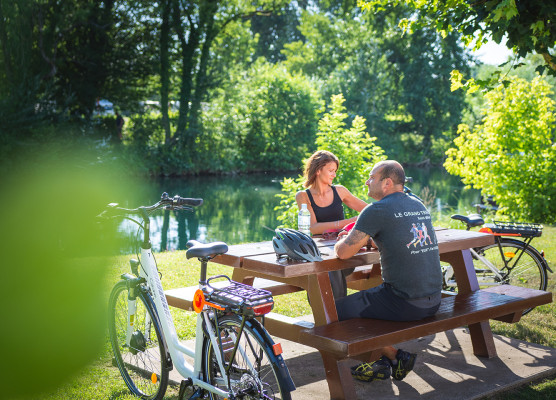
column 341, row 234
column 351, row 244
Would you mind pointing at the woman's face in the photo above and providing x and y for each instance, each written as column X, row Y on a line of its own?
column 327, row 173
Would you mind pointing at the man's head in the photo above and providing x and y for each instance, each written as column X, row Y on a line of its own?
column 386, row 177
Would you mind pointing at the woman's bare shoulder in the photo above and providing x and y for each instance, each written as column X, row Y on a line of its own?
column 301, row 195
column 342, row 190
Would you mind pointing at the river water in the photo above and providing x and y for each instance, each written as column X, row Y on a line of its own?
column 240, row 208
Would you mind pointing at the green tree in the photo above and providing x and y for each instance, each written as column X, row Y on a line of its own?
column 355, row 148
column 399, row 84
column 512, row 154
column 527, row 70
column 197, row 25
column 527, row 25
column 273, row 30
column 58, row 57
column 267, row 122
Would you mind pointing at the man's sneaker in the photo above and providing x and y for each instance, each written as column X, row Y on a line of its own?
column 406, row 361
column 367, row 372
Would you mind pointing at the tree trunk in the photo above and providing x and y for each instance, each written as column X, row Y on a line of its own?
column 188, row 48
column 165, row 70
column 5, row 51
column 207, row 18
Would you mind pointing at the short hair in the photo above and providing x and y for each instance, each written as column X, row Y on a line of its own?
column 393, row 170
column 317, row 161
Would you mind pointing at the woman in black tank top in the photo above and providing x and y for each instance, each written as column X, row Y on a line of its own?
column 332, row 212
column 325, row 203
column 324, row 200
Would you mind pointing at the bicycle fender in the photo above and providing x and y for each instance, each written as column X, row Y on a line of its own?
column 282, row 370
column 534, row 250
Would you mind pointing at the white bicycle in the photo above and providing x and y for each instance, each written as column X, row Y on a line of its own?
column 233, row 358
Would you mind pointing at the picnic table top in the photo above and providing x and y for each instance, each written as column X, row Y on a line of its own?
column 260, row 256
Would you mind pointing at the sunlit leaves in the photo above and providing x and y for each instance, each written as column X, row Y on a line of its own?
column 354, row 147
column 528, row 26
column 512, row 155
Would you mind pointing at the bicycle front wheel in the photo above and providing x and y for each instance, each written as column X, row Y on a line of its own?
column 518, row 265
column 252, row 374
column 143, row 369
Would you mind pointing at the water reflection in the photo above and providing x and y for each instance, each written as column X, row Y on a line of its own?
column 442, row 193
column 240, row 208
column 236, row 209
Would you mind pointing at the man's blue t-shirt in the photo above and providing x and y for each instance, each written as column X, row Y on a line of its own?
column 402, row 229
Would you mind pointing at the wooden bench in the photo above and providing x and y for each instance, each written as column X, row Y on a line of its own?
column 363, row 338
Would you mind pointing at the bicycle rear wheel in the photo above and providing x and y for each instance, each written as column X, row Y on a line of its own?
column 252, row 374
column 519, row 266
column 143, row 369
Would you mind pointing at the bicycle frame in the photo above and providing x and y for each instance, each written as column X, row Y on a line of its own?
column 490, row 265
column 177, row 349
column 484, row 282
column 144, row 282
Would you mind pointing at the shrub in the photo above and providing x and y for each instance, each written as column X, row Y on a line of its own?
column 353, row 146
column 269, row 117
column 512, row 154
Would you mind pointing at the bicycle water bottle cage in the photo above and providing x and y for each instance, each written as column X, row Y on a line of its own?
column 471, row 220
column 240, row 298
column 515, row 228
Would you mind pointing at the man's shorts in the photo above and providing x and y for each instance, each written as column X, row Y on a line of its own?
column 381, row 303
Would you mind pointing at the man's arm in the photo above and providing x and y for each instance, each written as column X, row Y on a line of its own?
column 351, row 244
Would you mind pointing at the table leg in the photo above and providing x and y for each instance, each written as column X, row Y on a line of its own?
column 243, row 276
column 462, row 262
column 481, row 334
column 322, row 299
column 338, row 376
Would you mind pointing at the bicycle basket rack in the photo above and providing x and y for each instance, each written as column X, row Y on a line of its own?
column 246, row 299
column 521, row 228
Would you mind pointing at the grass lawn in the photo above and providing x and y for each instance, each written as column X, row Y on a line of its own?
column 103, row 381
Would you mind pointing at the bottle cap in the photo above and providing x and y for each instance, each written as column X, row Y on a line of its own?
column 303, row 206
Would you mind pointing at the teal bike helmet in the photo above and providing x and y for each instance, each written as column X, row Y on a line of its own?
column 295, row 245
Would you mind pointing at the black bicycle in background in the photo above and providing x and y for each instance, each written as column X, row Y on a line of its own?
column 511, row 260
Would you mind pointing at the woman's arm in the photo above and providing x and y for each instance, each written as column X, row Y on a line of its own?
column 353, row 202
column 318, row 228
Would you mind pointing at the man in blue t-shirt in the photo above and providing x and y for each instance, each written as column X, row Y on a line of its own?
column 401, row 227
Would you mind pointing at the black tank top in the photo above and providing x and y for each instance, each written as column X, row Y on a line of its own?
column 333, row 212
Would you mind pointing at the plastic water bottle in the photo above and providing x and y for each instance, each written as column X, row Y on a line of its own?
column 304, row 220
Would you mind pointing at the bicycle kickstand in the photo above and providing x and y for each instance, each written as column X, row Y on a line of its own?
column 199, row 393
column 183, row 387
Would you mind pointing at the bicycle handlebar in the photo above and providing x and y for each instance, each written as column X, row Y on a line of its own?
column 174, row 203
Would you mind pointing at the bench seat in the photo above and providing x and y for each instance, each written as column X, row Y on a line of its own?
column 358, row 336
column 363, row 339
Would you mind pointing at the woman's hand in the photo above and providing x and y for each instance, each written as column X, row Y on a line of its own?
column 341, row 234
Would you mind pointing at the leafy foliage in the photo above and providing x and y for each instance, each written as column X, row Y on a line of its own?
column 399, row 83
column 512, row 154
column 354, row 147
column 270, row 119
column 528, row 25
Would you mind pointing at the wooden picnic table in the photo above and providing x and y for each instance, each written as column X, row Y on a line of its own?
column 258, row 260
column 256, row 264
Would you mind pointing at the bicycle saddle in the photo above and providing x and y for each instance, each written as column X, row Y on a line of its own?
column 202, row 250
column 471, row 220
